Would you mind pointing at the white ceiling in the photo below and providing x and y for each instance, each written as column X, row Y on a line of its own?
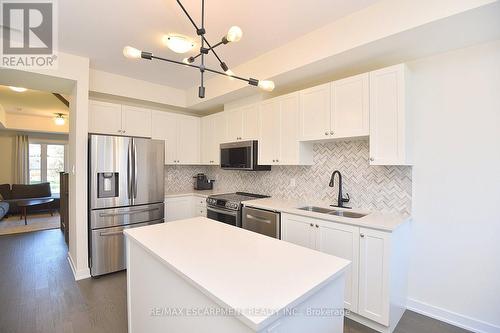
column 31, row 102
column 100, row 29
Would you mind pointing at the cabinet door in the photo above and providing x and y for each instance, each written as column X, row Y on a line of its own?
column 164, row 127
column 188, row 149
column 105, row 118
column 350, row 106
column 290, row 151
column 269, row 144
column 220, row 135
column 207, row 140
column 315, row 113
column 374, row 275
column 343, row 241
column 298, row 230
column 179, row 208
column 234, row 120
column 251, row 122
column 136, row 121
column 387, row 116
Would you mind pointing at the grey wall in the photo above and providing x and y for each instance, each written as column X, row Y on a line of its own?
column 382, row 188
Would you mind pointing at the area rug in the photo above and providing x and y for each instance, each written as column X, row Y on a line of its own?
column 36, row 222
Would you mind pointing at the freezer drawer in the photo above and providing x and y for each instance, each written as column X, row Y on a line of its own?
column 262, row 221
column 112, row 217
column 108, row 248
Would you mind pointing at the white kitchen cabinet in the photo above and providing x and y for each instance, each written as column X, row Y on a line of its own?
column 213, row 133
column 279, row 133
column 298, row 230
column 181, row 134
column 243, row 123
column 200, row 206
column 374, row 275
column 315, row 113
column 390, row 142
column 105, row 118
column 116, row 119
column 376, row 281
column 136, row 121
column 343, row 241
column 350, row 107
column 179, row 208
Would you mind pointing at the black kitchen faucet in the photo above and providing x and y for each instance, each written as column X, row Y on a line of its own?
column 341, row 199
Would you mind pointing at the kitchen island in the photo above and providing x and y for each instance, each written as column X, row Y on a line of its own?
column 200, row 275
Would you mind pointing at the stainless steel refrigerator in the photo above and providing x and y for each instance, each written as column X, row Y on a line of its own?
column 126, row 190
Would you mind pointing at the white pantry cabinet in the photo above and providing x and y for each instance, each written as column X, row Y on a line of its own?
column 181, row 134
column 243, row 123
column 389, row 123
column 279, row 133
column 213, row 133
column 377, row 277
column 116, row 119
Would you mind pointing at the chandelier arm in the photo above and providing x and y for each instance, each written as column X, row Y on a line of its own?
column 201, row 89
column 206, row 68
column 197, row 29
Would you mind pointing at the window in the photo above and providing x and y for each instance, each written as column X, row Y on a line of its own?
column 46, row 160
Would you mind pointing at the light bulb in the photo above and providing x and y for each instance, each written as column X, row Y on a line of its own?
column 230, row 72
column 18, row 89
column 186, row 61
column 266, row 85
column 59, row 119
column 178, row 44
column 234, row 34
column 131, row 53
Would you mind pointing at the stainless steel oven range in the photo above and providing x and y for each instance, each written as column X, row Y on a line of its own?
column 227, row 207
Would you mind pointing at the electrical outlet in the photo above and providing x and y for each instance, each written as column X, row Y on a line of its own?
column 292, row 182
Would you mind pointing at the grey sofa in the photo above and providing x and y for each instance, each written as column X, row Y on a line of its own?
column 12, row 195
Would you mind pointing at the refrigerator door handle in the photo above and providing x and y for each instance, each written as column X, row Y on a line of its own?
column 135, row 168
column 129, row 171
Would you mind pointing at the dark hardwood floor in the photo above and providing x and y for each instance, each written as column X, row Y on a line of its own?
column 38, row 293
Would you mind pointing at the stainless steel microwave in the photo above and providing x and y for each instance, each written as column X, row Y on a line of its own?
column 241, row 155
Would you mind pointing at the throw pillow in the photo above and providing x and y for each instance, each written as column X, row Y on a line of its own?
column 1, row 198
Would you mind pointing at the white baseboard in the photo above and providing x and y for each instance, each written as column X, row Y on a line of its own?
column 453, row 318
column 78, row 274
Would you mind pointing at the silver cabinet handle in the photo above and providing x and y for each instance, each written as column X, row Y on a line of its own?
column 113, row 233
column 310, row 224
column 331, row 132
column 317, row 226
column 362, row 235
column 277, row 160
column 251, row 217
column 274, row 160
column 326, row 133
column 128, row 213
column 372, row 159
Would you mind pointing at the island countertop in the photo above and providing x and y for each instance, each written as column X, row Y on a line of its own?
column 237, row 268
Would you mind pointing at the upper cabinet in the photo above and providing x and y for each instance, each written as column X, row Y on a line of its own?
column 116, row 119
column 389, row 124
column 338, row 109
column 279, row 133
column 350, row 103
column 315, row 112
column 181, row 134
column 243, row 123
column 213, row 133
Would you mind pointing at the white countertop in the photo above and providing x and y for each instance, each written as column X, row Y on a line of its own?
column 237, row 268
column 373, row 220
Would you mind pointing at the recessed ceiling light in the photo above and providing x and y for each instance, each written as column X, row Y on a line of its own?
column 178, row 43
column 18, row 89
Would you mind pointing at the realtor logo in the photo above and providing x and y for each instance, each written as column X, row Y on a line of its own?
column 29, row 33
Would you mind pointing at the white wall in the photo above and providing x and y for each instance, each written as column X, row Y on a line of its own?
column 455, row 268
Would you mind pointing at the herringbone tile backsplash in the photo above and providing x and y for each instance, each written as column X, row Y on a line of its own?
column 381, row 188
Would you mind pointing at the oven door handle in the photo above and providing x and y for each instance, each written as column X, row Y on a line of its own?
column 228, row 212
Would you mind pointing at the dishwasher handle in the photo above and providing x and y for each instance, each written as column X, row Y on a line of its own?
column 259, row 219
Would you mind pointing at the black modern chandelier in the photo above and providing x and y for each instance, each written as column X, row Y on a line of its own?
column 182, row 44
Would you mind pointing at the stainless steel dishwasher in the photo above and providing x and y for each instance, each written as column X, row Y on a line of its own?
column 262, row 221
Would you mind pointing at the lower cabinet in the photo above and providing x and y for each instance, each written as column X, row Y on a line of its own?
column 376, row 278
column 184, row 207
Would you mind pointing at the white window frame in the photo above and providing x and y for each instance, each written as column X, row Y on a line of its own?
column 43, row 154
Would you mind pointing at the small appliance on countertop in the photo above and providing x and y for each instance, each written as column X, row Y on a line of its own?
column 201, row 182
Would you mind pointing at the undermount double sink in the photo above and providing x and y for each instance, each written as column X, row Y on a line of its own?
column 329, row 211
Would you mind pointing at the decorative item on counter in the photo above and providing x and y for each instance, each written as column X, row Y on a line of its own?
column 201, row 182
